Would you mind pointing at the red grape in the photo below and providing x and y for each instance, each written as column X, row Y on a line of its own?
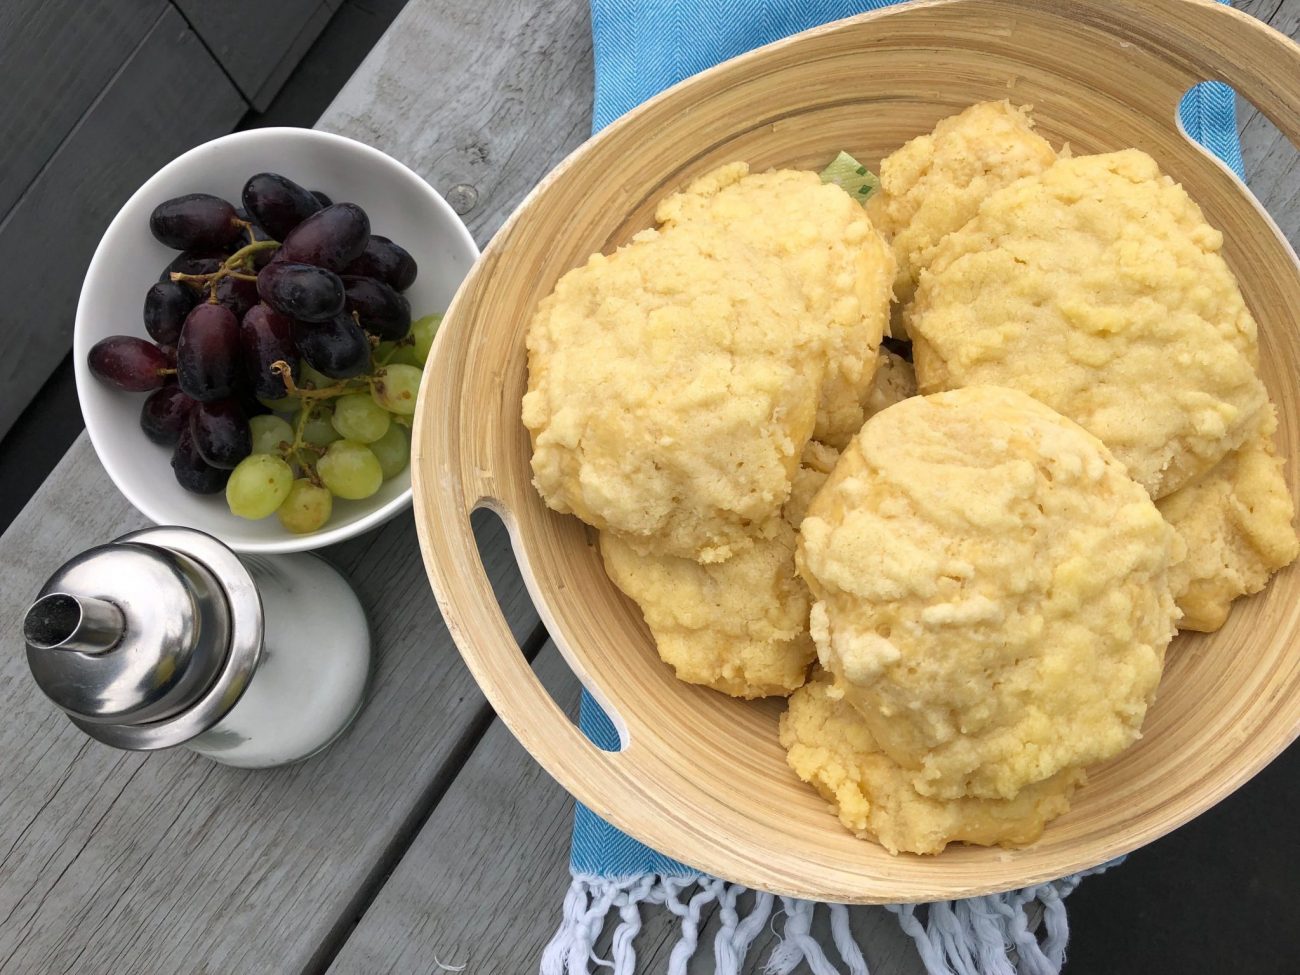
column 220, row 432
column 277, row 203
column 129, row 363
column 337, row 348
column 236, row 294
column 385, row 261
column 267, row 336
column 322, row 199
column 331, row 238
column 192, row 471
column 207, row 357
column 165, row 306
column 195, row 220
column 380, row 310
column 164, row 413
column 301, row 291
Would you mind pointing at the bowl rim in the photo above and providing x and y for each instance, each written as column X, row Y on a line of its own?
column 112, row 459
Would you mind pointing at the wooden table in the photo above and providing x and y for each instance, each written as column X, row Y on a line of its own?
column 426, row 836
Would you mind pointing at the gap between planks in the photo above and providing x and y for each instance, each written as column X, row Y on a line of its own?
column 373, row 884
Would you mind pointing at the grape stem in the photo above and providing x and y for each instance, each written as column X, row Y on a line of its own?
column 246, row 253
column 340, row 388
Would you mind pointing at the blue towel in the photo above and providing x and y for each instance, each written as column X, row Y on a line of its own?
column 641, row 48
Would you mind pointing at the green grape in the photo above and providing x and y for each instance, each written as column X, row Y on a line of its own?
column 393, row 450
column 306, row 508
column 423, row 330
column 358, row 417
column 269, row 431
column 316, row 380
column 288, row 404
column 258, row 485
column 350, row 470
column 395, row 388
column 402, row 355
column 320, row 428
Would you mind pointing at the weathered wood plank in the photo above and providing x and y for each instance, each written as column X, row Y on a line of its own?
column 211, row 868
column 168, row 97
column 1272, row 163
column 481, row 99
column 258, row 43
column 483, row 884
column 55, row 59
column 167, row 862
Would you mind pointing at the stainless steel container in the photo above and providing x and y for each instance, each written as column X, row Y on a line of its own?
column 165, row 637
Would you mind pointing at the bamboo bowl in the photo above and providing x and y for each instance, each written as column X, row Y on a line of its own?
column 701, row 777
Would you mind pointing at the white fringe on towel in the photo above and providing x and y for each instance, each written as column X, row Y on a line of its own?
column 967, row 937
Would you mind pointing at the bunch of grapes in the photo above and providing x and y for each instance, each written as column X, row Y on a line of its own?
column 285, row 364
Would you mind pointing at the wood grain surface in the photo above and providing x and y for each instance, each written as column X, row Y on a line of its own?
column 710, row 787
column 258, row 44
column 167, row 862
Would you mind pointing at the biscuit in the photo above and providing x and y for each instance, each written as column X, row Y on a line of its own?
column 1236, row 521
column 830, row 746
column 936, row 182
column 895, row 381
column 990, row 590
column 673, row 384
column 1098, row 288
column 740, row 626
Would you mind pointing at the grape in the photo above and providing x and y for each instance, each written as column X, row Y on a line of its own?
column 248, row 401
column 195, row 220
column 380, row 310
column 317, row 380
column 267, row 337
column 164, row 414
column 309, row 294
column 285, row 404
column 168, row 353
column 236, row 294
column 358, row 417
column 192, row 262
column 350, row 470
column 319, row 429
column 192, row 472
column 221, row 433
column 392, row 450
column 306, row 508
column 278, row 203
column 259, row 233
column 390, row 353
column 423, row 331
column 338, row 348
column 268, row 432
column 165, row 306
column 322, row 199
column 395, row 388
column 258, row 486
column 331, row 238
column 385, row 261
column 207, row 356
column 128, row 363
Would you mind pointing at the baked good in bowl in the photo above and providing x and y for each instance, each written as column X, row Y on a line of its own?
column 711, row 787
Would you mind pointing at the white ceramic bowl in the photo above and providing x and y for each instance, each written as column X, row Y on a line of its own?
column 401, row 206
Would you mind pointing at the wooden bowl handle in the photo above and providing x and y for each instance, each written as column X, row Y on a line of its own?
column 1261, row 63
